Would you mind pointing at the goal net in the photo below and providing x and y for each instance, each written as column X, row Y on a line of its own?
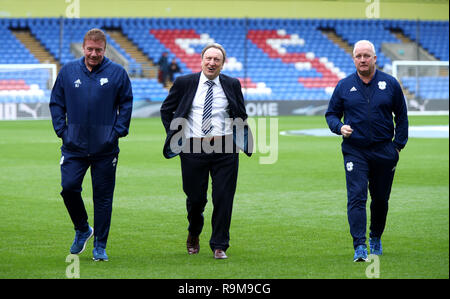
column 25, row 90
column 425, row 85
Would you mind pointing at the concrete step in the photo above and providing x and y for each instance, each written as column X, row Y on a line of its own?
column 35, row 47
column 150, row 70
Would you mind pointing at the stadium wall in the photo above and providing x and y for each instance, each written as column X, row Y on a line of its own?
column 338, row 9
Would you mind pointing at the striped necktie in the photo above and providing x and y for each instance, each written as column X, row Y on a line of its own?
column 207, row 109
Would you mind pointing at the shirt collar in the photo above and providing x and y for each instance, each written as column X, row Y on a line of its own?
column 203, row 79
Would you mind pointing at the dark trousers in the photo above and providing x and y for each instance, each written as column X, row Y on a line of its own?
column 368, row 168
column 196, row 169
column 103, row 174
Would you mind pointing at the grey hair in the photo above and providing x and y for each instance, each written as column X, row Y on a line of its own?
column 217, row 46
column 364, row 42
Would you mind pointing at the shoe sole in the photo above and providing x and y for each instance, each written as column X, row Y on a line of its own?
column 360, row 259
column 99, row 260
column 84, row 245
column 220, row 258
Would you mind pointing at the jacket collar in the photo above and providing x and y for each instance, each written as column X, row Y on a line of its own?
column 370, row 82
column 106, row 61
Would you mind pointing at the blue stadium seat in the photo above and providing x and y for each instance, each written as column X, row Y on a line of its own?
column 276, row 59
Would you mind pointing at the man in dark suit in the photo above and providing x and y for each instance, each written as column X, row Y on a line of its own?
column 205, row 121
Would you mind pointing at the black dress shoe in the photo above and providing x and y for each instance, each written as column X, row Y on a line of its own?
column 192, row 244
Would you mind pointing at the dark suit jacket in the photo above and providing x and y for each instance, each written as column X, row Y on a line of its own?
column 177, row 106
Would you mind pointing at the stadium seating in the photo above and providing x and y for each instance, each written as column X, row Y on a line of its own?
column 275, row 59
column 24, row 86
column 430, row 87
column 11, row 50
column 433, row 36
column 148, row 89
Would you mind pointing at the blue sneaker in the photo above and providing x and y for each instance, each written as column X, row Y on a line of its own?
column 360, row 254
column 81, row 238
column 99, row 254
column 375, row 246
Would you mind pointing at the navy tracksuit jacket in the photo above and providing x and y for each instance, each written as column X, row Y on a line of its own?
column 85, row 105
column 90, row 111
column 370, row 153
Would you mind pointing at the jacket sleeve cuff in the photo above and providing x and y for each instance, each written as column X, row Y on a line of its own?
column 60, row 132
column 399, row 147
column 338, row 129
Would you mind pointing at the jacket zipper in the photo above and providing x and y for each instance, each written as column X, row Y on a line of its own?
column 88, row 117
column 369, row 121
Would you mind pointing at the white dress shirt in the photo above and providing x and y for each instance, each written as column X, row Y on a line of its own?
column 220, row 125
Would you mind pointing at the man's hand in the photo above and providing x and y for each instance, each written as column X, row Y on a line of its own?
column 346, row 131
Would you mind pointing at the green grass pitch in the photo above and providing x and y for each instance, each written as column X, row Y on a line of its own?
column 289, row 218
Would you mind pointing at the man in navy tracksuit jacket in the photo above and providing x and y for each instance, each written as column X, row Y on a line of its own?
column 90, row 105
column 368, row 99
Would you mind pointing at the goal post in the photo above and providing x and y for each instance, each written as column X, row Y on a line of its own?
column 425, row 84
column 25, row 90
